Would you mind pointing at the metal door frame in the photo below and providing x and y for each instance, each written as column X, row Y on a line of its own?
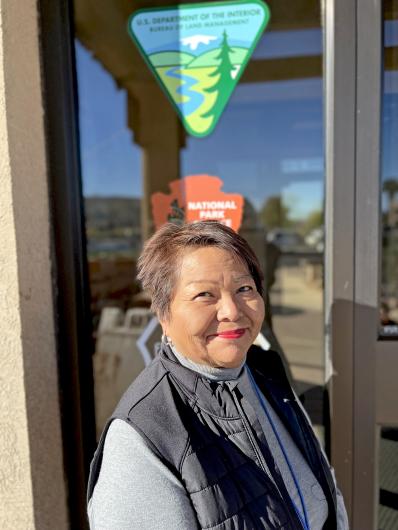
column 340, row 165
column 363, row 386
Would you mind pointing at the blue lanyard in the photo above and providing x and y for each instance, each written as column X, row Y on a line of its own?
column 304, row 521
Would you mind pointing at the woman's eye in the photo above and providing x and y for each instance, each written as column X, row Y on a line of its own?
column 245, row 288
column 204, row 294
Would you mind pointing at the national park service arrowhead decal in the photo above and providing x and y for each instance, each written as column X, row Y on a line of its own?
column 198, row 53
column 197, row 198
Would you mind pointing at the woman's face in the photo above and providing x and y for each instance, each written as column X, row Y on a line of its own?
column 216, row 312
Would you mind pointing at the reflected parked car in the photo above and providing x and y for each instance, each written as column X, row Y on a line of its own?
column 315, row 239
column 287, row 240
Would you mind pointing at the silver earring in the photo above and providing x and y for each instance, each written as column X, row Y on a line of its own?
column 166, row 340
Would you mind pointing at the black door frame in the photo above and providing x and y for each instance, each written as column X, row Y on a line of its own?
column 70, row 272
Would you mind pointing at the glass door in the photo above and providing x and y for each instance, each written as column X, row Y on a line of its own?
column 266, row 149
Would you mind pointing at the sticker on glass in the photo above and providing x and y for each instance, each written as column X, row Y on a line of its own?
column 197, row 198
column 198, row 53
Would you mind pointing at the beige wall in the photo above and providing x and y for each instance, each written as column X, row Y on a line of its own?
column 32, row 489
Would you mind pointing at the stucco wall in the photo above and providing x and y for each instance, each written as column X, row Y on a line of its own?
column 32, row 487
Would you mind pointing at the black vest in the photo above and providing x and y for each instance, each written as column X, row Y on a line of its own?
column 201, row 432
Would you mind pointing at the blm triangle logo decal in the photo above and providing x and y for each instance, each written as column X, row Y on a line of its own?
column 198, row 53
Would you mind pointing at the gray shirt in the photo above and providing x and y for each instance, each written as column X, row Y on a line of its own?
column 136, row 491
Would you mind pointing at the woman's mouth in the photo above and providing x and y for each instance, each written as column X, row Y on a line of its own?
column 231, row 334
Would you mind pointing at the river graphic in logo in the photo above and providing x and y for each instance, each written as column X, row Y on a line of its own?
column 198, row 53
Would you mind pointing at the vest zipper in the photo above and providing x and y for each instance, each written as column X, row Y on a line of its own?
column 255, row 446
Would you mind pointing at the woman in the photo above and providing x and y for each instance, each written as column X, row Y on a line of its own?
column 210, row 435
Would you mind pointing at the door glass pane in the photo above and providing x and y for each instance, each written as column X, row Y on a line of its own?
column 267, row 148
column 389, row 167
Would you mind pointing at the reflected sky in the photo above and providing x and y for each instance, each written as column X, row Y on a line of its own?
column 296, row 43
column 269, row 137
column 111, row 163
column 389, row 159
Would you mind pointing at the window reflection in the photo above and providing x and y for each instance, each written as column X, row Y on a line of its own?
column 267, row 147
column 389, row 271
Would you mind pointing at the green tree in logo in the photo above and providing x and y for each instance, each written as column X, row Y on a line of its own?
column 225, row 83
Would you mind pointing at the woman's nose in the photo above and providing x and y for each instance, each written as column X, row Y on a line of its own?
column 228, row 309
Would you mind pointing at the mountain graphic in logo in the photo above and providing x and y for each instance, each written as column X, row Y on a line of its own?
column 198, row 53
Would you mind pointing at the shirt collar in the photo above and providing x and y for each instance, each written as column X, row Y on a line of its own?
column 212, row 373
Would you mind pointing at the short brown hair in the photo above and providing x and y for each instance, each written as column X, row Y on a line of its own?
column 158, row 264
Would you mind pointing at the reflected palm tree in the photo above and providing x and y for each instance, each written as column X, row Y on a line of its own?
column 390, row 187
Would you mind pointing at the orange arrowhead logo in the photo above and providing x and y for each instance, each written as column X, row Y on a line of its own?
column 197, row 198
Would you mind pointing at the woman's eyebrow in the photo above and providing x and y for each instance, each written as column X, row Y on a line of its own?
column 237, row 279
column 200, row 281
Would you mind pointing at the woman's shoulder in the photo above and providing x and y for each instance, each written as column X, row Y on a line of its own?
column 121, row 438
column 152, row 405
column 144, row 385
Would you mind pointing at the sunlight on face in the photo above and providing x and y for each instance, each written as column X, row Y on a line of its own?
column 216, row 312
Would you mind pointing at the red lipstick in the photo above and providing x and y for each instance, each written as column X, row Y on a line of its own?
column 232, row 334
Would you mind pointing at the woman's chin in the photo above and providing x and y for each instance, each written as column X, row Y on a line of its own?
column 229, row 356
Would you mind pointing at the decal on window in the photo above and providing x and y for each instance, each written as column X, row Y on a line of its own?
column 197, row 198
column 198, row 53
